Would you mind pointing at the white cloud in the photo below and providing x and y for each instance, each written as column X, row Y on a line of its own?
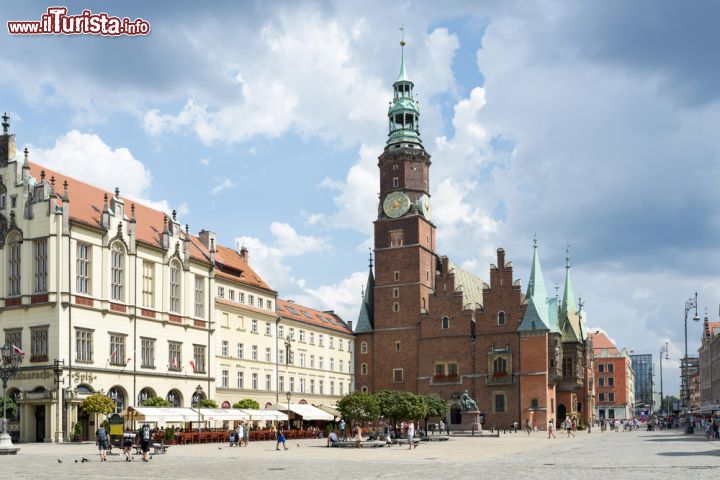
column 223, row 185
column 205, row 161
column 87, row 157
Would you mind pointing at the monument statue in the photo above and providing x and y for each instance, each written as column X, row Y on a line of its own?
column 467, row 403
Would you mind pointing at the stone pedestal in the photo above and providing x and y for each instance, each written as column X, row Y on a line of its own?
column 470, row 421
column 6, row 446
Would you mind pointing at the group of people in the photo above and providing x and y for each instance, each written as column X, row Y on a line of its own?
column 144, row 436
column 240, row 436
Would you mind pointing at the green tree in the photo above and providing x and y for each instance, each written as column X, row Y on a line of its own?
column 436, row 407
column 207, row 403
column 98, row 403
column 246, row 403
column 359, row 407
column 401, row 405
column 11, row 406
column 156, row 402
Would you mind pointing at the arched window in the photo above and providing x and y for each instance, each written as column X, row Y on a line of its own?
column 499, row 365
column 116, row 395
column 14, row 256
column 145, row 394
column 363, row 369
column 445, row 323
column 501, row 318
column 117, row 272
column 175, row 398
column 363, row 347
column 175, row 278
column 364, row 389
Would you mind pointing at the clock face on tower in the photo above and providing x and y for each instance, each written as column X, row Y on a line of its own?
column 396, row 204
column 423, row 206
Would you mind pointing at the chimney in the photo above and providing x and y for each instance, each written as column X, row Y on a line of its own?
column 349, row 324
column 212, row 251
column 501, row 259
column 205, row 238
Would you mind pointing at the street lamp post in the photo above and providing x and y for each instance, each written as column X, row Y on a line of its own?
column 663, row 350
column 11, row 358
column 288, row 395
column 690, row 303
column 198, row 395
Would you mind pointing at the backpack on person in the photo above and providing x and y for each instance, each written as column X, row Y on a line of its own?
column 146, row 433
column 102, row 435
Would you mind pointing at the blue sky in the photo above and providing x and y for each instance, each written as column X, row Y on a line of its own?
column 592, row 123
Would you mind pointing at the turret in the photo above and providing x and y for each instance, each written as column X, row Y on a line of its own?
column 403, row 114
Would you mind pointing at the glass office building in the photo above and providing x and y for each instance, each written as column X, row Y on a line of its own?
column 642, row 365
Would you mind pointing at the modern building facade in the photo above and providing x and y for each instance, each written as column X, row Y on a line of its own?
column 130, row 304
column 428, row 326
column 642, row 365
column 615, row 379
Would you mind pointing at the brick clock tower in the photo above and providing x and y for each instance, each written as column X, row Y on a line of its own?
column 404, row 252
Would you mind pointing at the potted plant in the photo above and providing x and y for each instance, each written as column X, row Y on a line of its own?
column 77, row 432
column 169, row 438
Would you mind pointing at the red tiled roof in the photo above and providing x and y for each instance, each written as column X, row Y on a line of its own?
column 600, row 341
column 293, row 311
column 86, row 205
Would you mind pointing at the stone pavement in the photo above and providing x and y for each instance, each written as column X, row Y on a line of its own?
column 607, row 456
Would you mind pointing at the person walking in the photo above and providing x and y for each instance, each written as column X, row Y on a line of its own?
column 246, row 434
column 551, row 429
column 343, row 436
column 239, row 434
column 357, row 435
column 145, row 436
column 528, row 428
column 101, row 440
column 410, row 435
column 127, row 443
column 280, row 437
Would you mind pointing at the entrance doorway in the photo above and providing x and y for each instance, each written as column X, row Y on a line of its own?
column 83, row 419
column 561, row 413
column 455, row 415
column 40, row 423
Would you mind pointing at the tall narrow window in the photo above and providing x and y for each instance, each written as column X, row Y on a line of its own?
column 117, row 349
column 117, row 261
column 40, row 248
column 225, row 378
column 82, row 268
column 147, row 352
column 199, row 358
column 501, row 318
column 38, row 344
column 174, row 356
column 199, row 284
column 240, row 379
column 148, row 294
column 14, row 267
column 254, row 381
column 175, row 286
column 83, row 345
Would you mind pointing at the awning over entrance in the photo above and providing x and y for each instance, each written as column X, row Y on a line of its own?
column 307, row 412
column 260, row 415
column 160, row 414
column 223, row 414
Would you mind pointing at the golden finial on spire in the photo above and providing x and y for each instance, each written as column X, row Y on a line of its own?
column 402, row 35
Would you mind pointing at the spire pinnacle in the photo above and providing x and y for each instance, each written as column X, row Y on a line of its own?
column 370, row 258
column 5, row 123
column 402, row 77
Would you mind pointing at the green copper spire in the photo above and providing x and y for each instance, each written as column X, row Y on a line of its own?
column 537, row 314
column 568, row 302
column 403, row 114
column 365, row 323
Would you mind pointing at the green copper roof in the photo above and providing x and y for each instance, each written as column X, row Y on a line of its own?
column 472, row 286
column 537, row 314
column 553, row 315
column 569, row 319
column 404, row 113
column 402, row 77
column 365, row 321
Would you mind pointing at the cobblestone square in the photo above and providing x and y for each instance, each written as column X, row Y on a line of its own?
column 633, row 455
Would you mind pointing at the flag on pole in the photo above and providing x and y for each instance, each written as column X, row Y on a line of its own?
column 18, row 351
column 174, row 363
column 192, row 364
column 113, row 353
